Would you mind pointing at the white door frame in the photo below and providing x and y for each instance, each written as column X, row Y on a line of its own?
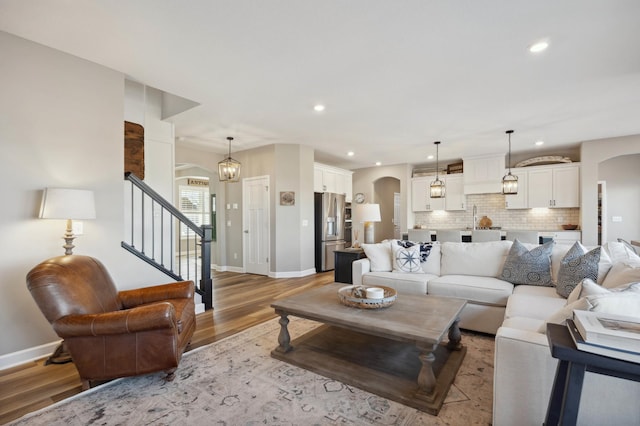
column 261, row 250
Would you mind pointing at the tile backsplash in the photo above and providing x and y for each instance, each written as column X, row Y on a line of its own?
column 492, row 206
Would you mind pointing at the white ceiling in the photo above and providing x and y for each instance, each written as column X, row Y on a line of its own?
column 394, row 75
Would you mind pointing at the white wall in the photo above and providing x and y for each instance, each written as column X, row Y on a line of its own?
column 363, row 181
column 293, row 240
column 591, row 155
column 622, row 177
column 61, row 125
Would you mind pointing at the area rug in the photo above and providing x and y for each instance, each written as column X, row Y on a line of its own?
column 236, row 382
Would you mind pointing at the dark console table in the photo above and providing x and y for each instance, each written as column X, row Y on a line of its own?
column 343, row 260
column 564, row 401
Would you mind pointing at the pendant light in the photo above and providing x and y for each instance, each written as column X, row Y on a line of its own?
column 509, row 181
column 437, row 186
column 229, row 169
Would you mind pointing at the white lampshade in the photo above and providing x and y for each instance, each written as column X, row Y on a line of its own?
column 61, row 203
column 369, row 212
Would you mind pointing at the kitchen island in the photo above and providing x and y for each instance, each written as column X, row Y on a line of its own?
column 560, row 236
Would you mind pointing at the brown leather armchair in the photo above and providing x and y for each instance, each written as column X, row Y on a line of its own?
column 110, row 333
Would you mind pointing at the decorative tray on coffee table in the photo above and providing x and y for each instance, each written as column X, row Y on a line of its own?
column 347, row 297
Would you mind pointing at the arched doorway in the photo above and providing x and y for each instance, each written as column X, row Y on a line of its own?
column 386, row 193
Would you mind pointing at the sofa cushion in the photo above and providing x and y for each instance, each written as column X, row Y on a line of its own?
column 563, row 314
column 534, row 306
column 524, row 323
column 379, row 256
column 575, row 266
column 624, row 272
column 477, row 259
column 534, row 290
column 483, row 290
column 403, row 283
column 531, row 267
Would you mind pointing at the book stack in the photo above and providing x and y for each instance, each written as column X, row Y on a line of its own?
column 615, row 336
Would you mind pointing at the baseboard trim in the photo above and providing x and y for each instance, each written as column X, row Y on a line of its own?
column 292, row 274
column 237, row 269
column 27, row 355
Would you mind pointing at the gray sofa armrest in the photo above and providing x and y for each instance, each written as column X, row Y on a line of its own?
column 359, row 268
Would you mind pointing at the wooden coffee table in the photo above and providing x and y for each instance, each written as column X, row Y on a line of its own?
column 396, row 352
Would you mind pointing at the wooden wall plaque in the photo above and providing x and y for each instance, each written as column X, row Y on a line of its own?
column 134, row 149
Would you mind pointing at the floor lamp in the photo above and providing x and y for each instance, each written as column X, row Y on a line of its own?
column 369, row 213
column 67, row 204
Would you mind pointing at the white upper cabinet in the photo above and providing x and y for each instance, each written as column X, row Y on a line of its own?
column 483, row 174
column 332, row 179
column 554, row 186
column 519, row 200
column 566, row 186
column 455, row 198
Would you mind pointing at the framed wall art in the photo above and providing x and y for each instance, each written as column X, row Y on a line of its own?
column 287, row 198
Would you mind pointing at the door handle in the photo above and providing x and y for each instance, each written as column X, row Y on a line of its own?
column 246, row 231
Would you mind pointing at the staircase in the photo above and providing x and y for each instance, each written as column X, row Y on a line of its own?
column 155, row 225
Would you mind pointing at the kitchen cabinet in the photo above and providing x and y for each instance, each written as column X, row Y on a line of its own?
column 554, row 186
column 455, row 198
column 483, row 174
column 332, row 179
column 519, row 200
column 421, row 200
column 567, row 237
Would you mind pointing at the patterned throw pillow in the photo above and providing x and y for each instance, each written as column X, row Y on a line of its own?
column 575, row 266
column 425, row 248
column 406, row 259
column 532, row 267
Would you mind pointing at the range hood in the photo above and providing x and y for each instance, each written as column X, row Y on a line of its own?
column 483, row 174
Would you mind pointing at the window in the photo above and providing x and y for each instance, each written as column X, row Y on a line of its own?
column 195, row 205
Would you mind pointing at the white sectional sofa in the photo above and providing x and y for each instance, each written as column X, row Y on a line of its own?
column 517, row 315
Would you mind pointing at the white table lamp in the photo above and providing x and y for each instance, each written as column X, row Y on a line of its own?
column 369, row 213
column 68, row 204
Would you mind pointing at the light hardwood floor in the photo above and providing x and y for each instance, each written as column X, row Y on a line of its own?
column 240, row 301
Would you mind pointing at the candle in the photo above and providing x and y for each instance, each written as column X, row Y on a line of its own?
column 375, row 293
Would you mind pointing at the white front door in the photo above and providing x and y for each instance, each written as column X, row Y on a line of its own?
column 255, row 218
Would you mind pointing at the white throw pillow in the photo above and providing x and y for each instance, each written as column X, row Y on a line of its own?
column 565, row 313
column 379, row 256
column 621, row 303
column 590, row 296
column 618, row 252
column 622, row 273
column 586, row 288
column 432, row 265
column 406, row 259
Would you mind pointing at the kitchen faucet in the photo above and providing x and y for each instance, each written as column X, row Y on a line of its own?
column 475, row 216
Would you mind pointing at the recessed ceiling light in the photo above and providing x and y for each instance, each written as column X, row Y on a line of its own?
column 539, row 143
column 378, row 163
column 318, row 108
column 539, row 46
column 350, row 153
column 430, row 157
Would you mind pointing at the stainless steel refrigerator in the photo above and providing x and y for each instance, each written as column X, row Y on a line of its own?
column 329, row 228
